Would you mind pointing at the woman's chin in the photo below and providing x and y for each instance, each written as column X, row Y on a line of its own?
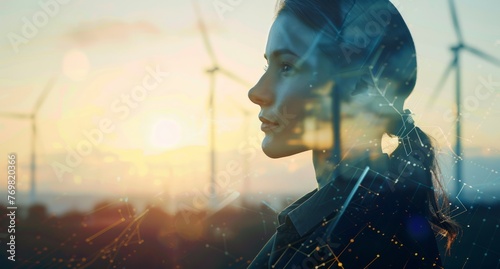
column 275, row 154
column 279, row 150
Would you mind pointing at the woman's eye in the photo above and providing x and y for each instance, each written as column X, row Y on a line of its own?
column 285, row 68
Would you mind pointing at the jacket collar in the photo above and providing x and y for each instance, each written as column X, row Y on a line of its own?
column 319, row 206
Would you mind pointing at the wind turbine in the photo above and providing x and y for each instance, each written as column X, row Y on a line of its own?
column 455, row 65
column 246, row 132
column 32, row 117
column 246, row 169
column 212, row 72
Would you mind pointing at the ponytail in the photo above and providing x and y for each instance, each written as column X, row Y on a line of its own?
column 416, row 145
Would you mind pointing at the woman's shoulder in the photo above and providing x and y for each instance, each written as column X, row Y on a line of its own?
column 372, row 224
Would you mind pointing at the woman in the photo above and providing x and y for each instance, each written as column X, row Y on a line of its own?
column 337, row 77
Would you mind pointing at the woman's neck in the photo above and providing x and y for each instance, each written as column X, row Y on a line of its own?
column 359, row 154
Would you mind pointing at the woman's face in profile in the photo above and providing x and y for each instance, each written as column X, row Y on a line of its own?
column 294, row 91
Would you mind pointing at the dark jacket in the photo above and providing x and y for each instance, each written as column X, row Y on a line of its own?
column 380, row 222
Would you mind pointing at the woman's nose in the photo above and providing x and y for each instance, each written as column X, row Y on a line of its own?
column 260, row 94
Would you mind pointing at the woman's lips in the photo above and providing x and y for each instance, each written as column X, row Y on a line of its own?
column 267, row 125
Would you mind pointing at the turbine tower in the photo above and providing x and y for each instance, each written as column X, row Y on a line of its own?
column 455, row 65
column 32, row 117
column 246, row 133
column 212, row 72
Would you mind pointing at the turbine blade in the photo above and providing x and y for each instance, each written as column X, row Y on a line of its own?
column 204, row 33
column 44, row 94
column 483, row 55
column 234, row 77
column 454, row 17
column 440, row 85
column 14, row 115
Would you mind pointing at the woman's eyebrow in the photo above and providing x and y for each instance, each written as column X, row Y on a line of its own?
column 279, row 52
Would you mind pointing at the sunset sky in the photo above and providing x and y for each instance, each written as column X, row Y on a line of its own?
column 98, row 51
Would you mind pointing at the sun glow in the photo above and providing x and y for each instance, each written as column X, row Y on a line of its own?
column 166, row 134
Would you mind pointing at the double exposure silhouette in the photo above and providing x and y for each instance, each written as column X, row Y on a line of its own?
column 337, row 78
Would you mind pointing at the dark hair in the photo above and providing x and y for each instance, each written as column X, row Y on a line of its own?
column 370, row 36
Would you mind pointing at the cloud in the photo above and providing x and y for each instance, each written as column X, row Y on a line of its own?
column 111, row 32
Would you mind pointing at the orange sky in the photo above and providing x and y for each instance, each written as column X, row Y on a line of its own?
column 101, row 51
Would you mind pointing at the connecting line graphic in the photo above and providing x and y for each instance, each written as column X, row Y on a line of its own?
column 89, row 239
column 123, row 239
column 331, row 252
column 352, row 240
column 370, row 190
column 347, row 153
column 332, row 225
column 47, row 255
column 335, row 257
column 289, row 246
column 222, row 250
column 491, row 240
column 447, row 142
column 402, row 130
column 466, row 260
column 462, row 204
column 376, row 257
column 261, row 216
column 382, row 92
column 475, row 244
column 399, row 176
column 335, row 260
column 118, row 222
column 102, row 207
